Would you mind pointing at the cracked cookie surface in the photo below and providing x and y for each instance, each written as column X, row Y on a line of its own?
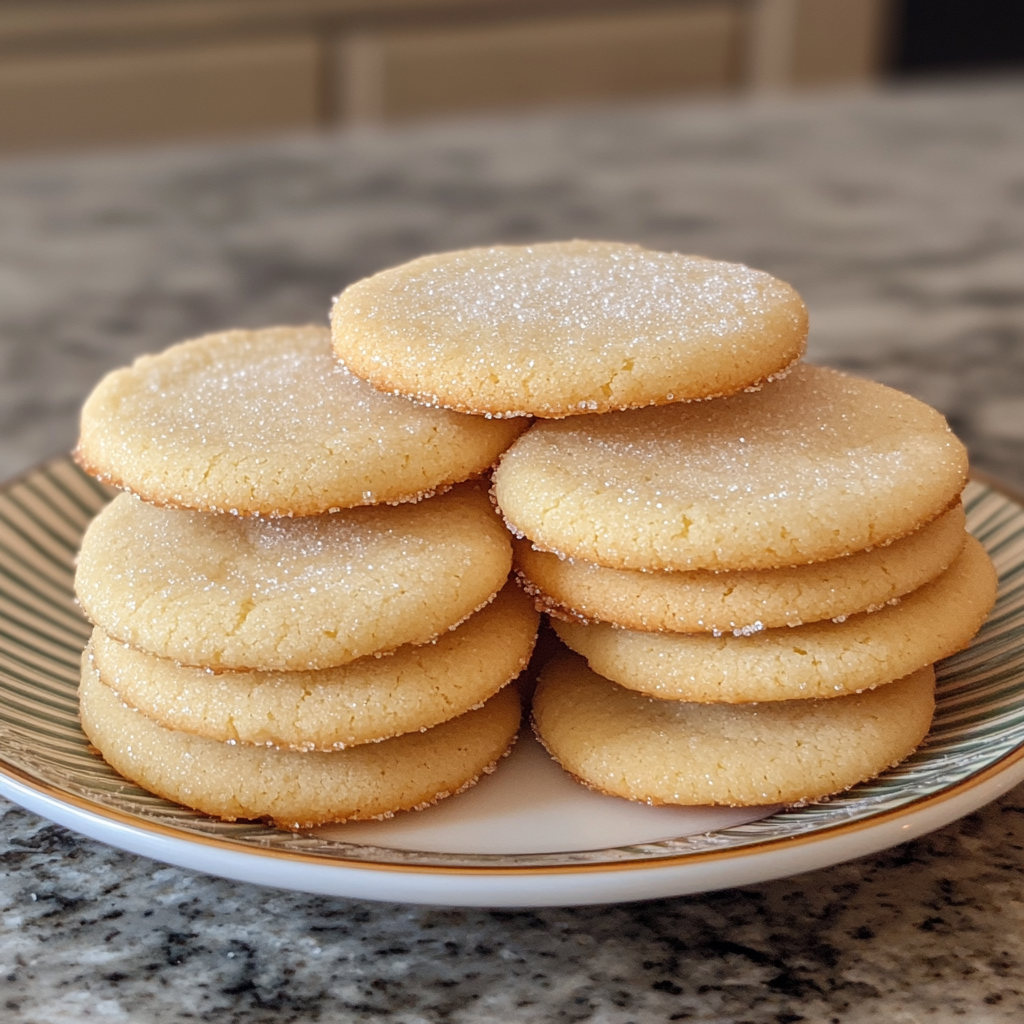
column 371, row 699
column 298, row 790
column 269, row 422
column 290, row 594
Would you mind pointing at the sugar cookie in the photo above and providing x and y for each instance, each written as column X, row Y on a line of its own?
column 289, row 594
column 364, row 701
column 671, row 752
column 268, row 422
column 820, row 659
column 742, row 601
column 562, row 328
column 812, row 467
column 297, row 790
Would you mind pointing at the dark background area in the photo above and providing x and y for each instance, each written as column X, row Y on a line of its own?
column 957, row 35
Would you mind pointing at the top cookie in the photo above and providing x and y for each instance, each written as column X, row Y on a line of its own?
column 564, row 328
column 268, row 422
column 812, row 467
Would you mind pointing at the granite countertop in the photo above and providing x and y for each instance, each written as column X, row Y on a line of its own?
column 899, row 216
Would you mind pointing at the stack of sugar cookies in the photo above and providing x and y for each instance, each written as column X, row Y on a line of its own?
column 758, row 582
column 287, row 526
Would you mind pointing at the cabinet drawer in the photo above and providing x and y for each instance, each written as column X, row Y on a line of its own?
column 195, row 91
column 409, row 73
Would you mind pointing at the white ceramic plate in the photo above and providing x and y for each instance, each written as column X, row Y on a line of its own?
column 526, row 836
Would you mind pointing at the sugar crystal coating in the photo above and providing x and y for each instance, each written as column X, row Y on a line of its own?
column 365, row 701
column 818, row 659
column 812, row 467
column 564, row 328
column 675, row 752
column 741, row 602
column 298, row 789
column 287, row 594
column 269, row 422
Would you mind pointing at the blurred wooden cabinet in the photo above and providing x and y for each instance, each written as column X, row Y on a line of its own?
column 670, row 50
column 85, row 72
column 160, row 93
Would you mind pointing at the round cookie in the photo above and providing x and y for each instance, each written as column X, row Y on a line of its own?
column 671, row 752
column 741, row 602
column 812, row 467
column 268, row 422
column 563, row 328
column 365, row 701
column 289, row 594
column 820, row 659
column 297, row 790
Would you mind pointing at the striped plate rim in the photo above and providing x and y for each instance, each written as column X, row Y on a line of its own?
column 979, row 722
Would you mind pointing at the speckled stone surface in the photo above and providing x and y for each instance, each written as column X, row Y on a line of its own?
column 930, row 931
column 899, row 216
